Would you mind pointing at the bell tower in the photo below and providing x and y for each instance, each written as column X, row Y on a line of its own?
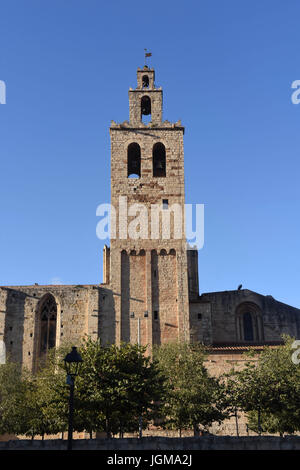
column 145, row 100
column 148, row 257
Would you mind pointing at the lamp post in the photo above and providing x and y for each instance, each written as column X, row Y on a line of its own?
column 72, row 361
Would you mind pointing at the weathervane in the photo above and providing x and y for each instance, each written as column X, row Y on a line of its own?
column 147, row 54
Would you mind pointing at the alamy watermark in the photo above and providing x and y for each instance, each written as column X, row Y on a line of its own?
column 158, row 222
column 2, row 352
column 295, row 355
column 296, row 94
column 2, row 92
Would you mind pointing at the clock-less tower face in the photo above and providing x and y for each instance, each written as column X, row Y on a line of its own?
column 148, row 272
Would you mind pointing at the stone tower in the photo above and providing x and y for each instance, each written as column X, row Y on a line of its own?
column 148, row 272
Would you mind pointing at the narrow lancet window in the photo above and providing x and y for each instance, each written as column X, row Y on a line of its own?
column 48, row 318
column 248, row 327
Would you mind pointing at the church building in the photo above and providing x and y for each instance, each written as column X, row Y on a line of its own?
column 150, row 293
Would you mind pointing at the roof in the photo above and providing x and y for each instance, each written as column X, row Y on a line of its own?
column 241, row 347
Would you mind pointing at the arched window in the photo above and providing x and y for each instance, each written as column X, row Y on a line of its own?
column 145, row 106
column 145, row 81
column 134, row 160
column 48, row 318
column 159, row 159
column 249, row 322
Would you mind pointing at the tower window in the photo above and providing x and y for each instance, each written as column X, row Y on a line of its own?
column 165, row 204
column 199, row 316
column 155, row 315
column 145, row 81
column 145, row 107
column 134, row 160
column 159, row 160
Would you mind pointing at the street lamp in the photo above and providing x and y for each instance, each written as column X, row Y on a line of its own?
column 72, row 361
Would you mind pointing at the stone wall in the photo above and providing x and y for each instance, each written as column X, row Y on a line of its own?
column 80, row 310
column 201, row 322
column 163, row 443
column 218, row 363
column 274, row 318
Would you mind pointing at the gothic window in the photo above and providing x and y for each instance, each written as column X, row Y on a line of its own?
column 249, row 323
column 159, row 160
column 145, row 81
column 134, row 160
column 48, row 317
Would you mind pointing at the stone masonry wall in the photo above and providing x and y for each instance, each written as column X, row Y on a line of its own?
column 148, row 273
column 80, row 310
column 162, row 443
column 276, row 318
column 221, row 363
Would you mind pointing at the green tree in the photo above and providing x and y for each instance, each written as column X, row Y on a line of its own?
column 118, row 385
column 50, row 393
column 193, row 397
column 11, row 395
column 271, row 423
column 31, row 404
column 268, row 390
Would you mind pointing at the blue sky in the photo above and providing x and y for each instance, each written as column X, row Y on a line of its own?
column 226, row 69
